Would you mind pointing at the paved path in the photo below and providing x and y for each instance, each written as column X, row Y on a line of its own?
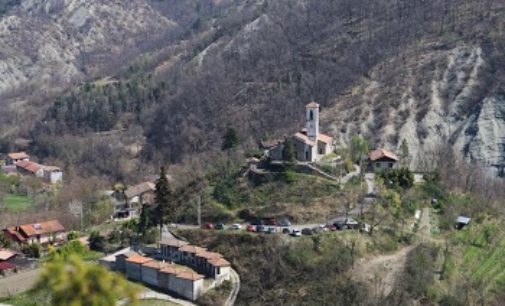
column 370, row 183
column 18, row 282
column 350, row 175
column 235, row 281
column 425, row 225
column 150, row 294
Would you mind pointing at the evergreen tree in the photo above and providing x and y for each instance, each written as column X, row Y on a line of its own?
column 404, row 148
column 145, row 219
column 288, row 152
column 164, row 200
column 230, row 139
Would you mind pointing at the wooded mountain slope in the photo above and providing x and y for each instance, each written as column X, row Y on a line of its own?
column 430, row 72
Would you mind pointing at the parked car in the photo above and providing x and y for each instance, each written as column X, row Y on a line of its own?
column 333, row 228
column 284, row 222
column 314, row 230
column 286, row 230
column 251, row 228
column 307, row 231
column 339, row 225
column 208, row 226
column 219, row 226
column 261, row 229
column 236, row 226
column 296, row 233
column 271, row 230
column 352, row 224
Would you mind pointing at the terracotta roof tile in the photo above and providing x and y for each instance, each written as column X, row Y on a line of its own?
column 6, row 255
column 312, row 105
column 190, row 276
column 381, row 153
column 305, row 139
column 139, row 259
column 325, row 138
column 47, row 227
column 209, row 255
column 158, row 265
column 173, row 242
column 192, row 249
column 18, row 155
column 219, row 262
column 29, row 166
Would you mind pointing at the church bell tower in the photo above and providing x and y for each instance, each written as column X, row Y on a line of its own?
column 312, row 120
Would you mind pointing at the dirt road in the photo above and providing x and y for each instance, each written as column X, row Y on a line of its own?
column 381, row 271
column 18, row 282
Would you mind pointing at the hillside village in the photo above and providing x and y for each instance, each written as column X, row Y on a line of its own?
column 174, row 267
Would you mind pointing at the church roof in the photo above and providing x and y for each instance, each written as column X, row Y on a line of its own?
column 305, row 139
column 325, row 138
column 312, row 105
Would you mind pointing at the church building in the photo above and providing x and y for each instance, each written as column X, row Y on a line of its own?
column 310, row 145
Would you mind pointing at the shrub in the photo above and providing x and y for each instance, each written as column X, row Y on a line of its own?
column 97, row 242
column 72, row 235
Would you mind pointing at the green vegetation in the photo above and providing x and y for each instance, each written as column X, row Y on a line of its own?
column 16, row 203
column 230, row 139
column 216, row 296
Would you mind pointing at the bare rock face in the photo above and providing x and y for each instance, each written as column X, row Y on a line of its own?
column 441, row 99
column 51, row 43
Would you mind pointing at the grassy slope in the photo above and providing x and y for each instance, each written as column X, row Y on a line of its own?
column 16, row 202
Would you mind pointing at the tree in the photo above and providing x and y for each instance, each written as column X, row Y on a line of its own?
column 230, row 139
column 164, row 200
column 97, row 242
column 405, row 153
column 74, row 282
column 288, row 152
column 146, row 219
column 358, row 149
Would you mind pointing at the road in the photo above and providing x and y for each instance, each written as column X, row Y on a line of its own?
column 235, row 281
column 18, row 282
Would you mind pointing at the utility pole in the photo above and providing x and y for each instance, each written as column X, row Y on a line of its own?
column 199, row 210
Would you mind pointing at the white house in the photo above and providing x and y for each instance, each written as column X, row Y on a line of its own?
column 53, row 174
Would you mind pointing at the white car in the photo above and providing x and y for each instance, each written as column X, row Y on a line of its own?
column 236, row 226
column 296, row 233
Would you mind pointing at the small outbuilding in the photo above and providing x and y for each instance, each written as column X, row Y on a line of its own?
column 381, row 159
column 133, row 266
column 461, row 222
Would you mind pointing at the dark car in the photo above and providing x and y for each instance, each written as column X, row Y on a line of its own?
column 286, row 230
column 339, row 225
column 307, row 231
column 251, row 228
column 260, row 229
column 284, row 222
column 271, row 230
column 219, row 226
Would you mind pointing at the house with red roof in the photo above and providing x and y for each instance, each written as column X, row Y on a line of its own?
column 381, row 159
column 15, row 157
column 43, row 232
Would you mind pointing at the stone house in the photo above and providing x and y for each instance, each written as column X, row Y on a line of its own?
column 52, row 174
column 381, row 159
column 138, row 195
column 14, row 158
column 30, row 168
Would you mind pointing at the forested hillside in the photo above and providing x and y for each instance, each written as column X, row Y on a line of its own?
column 429, row 72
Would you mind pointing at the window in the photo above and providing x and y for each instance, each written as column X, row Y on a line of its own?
column 306, row 155
column 311, row 115
column 320, row 151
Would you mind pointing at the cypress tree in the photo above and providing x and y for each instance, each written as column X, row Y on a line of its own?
column 230, row 139
column 164, row 200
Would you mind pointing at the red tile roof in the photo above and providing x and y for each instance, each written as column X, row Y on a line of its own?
column 18, row 155
column 6, row 255
column 47, row 227
column 171, row 269
column 192, row 249
column 381, row 153
column 190, row 276
column 305, row 139
column 325, row 138
column 219, row 262
column 29, row 166
column 158, row 265
column 173, row 242
column 312, row 105
column 139, row 259
column 209, row 255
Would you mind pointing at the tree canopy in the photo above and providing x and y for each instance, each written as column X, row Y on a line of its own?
column 230, row 139
column 164, row 200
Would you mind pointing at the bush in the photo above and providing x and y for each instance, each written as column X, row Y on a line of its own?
column 398, row 178
column 289, row 176
column 97, row 242
column 72, row 236
column 32, row 250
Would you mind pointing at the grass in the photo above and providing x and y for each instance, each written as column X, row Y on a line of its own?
column 16, row 203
